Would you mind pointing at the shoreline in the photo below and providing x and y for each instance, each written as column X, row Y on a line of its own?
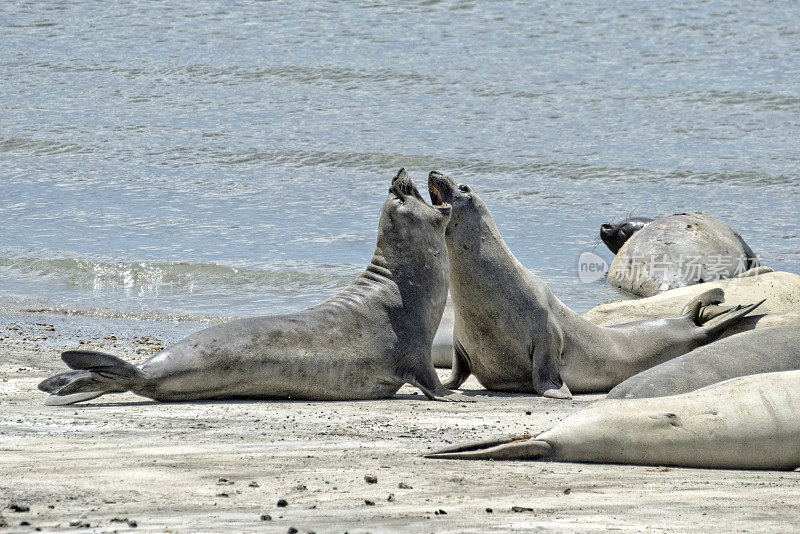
column 123, row 460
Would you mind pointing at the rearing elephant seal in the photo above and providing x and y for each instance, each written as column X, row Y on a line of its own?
column 364, row 343
column 751, row 422
column 512, row 333
column 677, row 251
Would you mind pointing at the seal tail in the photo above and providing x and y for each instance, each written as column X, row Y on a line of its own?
column 95, row 374
column 514, row 448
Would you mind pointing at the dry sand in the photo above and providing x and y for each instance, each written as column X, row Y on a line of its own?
column 123, row 463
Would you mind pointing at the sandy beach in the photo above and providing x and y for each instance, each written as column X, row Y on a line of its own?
column 123, row 462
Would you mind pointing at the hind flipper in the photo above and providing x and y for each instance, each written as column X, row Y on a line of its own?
column 63, row 400
column 96, row 374
column 54, row 383
column 516, row 448
column 714, row 328
column 99, row 362
column 706, row 298
column 714, row 310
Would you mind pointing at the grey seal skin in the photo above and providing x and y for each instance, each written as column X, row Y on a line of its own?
column 364, row 343
column 614, row 235
column 442, row 350
column 513, row 334
column 749, row 353
column 677, row 251
column 750, row 422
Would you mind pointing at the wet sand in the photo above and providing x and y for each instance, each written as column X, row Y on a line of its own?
column 123, row 462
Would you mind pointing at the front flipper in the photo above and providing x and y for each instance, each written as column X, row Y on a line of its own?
column 514, row 448
column 546, row 361
column 461, row 370
column 426, row 379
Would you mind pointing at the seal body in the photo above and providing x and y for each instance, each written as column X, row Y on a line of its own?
column 512, row 333
column 614, row 235
column 749, row 353
column 364, row 343
column 679, row 250
column 750, row 422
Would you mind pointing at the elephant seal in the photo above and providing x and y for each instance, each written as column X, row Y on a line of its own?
column 750, row 422
column 614, row 235
column 364, row 343
column 780, row 289
column 749, row 353
column 677, row 251
column 513, row 334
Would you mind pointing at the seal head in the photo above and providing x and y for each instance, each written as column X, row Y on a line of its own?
column 614, row 235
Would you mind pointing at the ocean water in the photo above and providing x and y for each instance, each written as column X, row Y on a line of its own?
column 223, row 159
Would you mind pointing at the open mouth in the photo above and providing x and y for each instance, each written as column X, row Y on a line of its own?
column 438, row 189
column 436, row 196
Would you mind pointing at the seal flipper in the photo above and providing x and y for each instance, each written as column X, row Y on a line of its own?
column 546, row 362
column 96, row 373
column 716, row 327
column 426, row 379
column 461, row 370
column 516, row 448
column 100, row 363
column 64, row 400
column 706, row 298
column 705, row 311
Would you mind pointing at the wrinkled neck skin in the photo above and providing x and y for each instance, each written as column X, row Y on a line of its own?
column 409, row 289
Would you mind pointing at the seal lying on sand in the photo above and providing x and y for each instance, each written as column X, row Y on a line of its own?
column 749, row 353
column 677, row 251
column 614, row 235
column 750, row 422
column 780, row 289
column 364, row 343
column 512, row 333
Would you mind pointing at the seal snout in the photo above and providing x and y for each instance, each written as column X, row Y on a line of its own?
column 403, row 185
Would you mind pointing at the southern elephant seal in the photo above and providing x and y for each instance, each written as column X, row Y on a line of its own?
column 364, row 343
column 750, row 422
column 513, row 334
column 749, row 353
column 614, row 235
column 780, row 289
column 679, row 250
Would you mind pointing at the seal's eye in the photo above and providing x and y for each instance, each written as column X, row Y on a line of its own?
column 463, row 188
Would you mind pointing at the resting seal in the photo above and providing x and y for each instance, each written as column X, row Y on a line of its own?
column 364, row 343
column 615, row 234
column 749, row 353
column 751, row 422
column 780, row 289
column 512, row 333
column 679, row 250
